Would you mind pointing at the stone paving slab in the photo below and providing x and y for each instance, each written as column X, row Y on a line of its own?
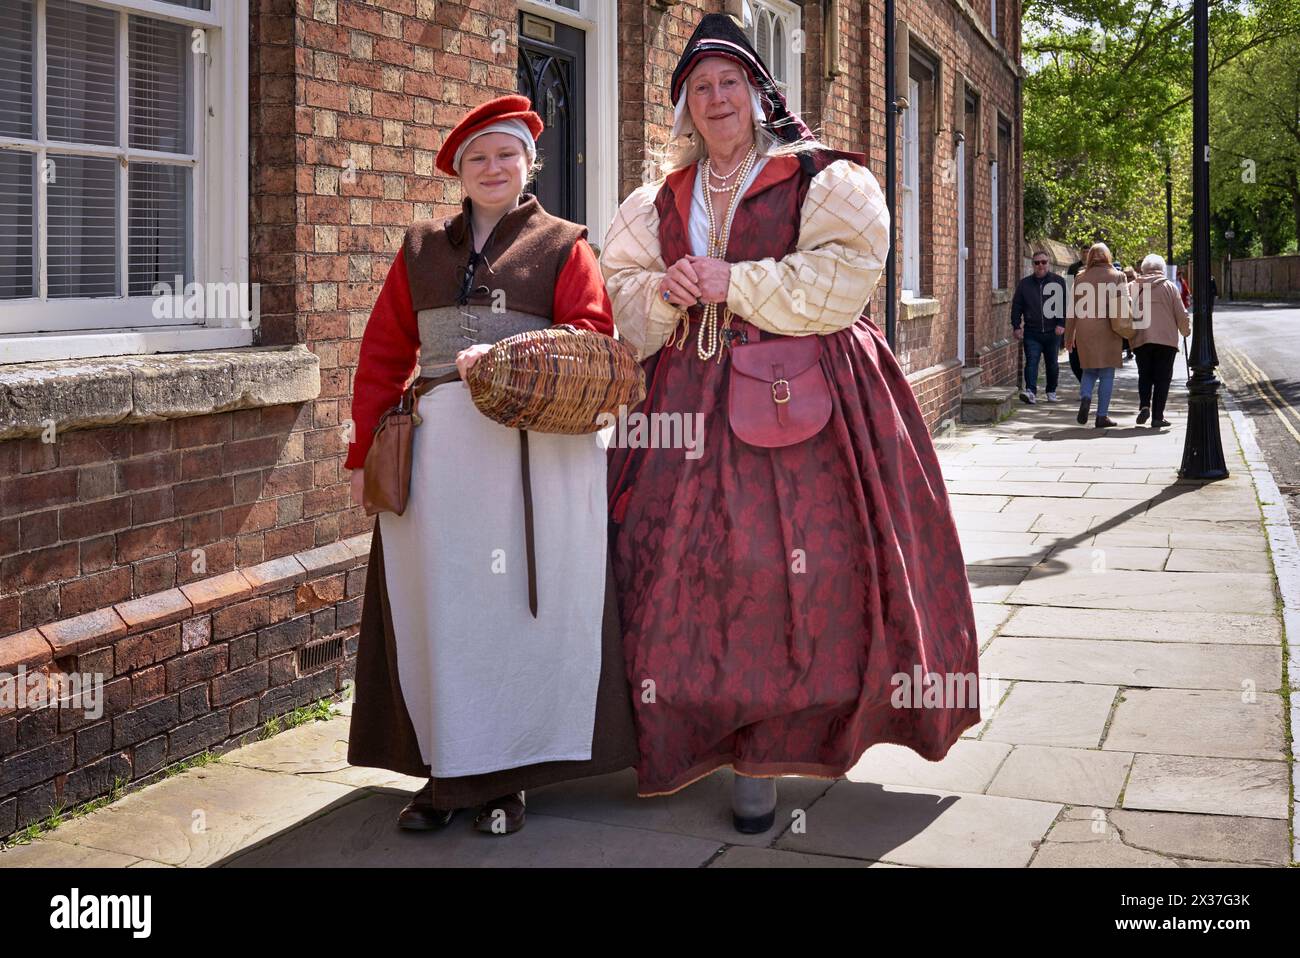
column 703, row 810
column 1139, row 664
column 364, row 834
column 978, row 503
column 1099, row 558
column 1052, row 713
column 1214, row 786
column 1186, row 722
column 994, row 553
column 1149, row 591
column 1218, row 542
column 1046, row 505
column 199, row 817
column 918, row 827
column 969, row 766
column 1010, row 487
column 989, row 617
column 994, row 583
column 741, row 856
column 1197, row 627
column 51, row 853
column 1074, row 776
column 991, row 521
column 318, row 750
column 974, row 473
column 1109, row 837
column 1218, row 560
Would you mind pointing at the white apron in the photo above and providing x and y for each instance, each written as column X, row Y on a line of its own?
column 487, row 686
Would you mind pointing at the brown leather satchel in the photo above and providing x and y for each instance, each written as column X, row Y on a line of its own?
column 387, row 469
column 778, row 394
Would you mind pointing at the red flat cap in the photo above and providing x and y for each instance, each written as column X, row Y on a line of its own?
column 512, row 107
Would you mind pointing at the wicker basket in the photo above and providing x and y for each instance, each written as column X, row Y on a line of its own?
column 559, row 379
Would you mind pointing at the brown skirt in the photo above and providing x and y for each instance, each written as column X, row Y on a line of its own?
column 382, row 736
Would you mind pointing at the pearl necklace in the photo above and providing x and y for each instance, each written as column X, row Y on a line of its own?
column 709, row 340
column 724, row 180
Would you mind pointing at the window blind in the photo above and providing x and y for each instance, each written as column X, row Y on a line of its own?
column 17, row 252
column 82, row 229
column 81, row 67
column 159, row 214
column 17, row 42
column 159, row 81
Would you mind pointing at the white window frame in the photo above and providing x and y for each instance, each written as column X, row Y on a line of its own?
column 791, row 17
column 598, row 20
column 995, row 274
column 35, row 328
column 912, row 191
column 993, row 17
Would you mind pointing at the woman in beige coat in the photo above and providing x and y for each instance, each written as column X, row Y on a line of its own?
column 1100, row 295
column 1158, row 317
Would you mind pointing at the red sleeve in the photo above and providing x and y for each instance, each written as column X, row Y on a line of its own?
column 390, row 348
column 580, row 296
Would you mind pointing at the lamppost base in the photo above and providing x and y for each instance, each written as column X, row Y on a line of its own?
column 1203, row 446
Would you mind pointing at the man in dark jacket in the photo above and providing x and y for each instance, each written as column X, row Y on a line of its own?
column 1038, row 318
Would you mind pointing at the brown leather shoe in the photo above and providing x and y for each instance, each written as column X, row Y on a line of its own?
column 420, row 816
column 501, row 816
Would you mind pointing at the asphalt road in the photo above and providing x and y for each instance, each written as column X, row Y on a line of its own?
column 1259, row 361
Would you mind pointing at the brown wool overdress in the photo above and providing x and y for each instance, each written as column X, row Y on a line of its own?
column 526, row 252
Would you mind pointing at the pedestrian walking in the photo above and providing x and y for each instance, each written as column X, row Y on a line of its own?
column 1158, row 318
column 1101, row 312
column 1038, row 319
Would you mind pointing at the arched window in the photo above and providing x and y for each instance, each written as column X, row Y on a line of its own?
column 774, row 28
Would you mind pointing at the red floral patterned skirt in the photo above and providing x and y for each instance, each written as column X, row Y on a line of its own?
column 771, row 599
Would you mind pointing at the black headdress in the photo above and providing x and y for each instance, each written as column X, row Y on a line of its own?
column 719, row 36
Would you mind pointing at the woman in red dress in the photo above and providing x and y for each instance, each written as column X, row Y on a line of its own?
column 780, row 603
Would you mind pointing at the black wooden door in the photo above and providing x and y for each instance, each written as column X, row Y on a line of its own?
column 552, row 74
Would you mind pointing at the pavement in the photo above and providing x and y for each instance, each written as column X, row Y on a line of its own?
column 1130, row 624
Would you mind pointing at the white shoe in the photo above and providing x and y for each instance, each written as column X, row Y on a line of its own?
column 1027, row 397
column 1051, row 397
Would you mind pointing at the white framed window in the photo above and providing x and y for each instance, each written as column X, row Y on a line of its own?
column 775, row 28
column 123, row 164
column 996, row 272
column 912, row 192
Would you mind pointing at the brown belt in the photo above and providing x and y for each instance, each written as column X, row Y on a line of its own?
column 422, row 386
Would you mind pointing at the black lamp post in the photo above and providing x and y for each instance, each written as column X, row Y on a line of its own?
column 1203, row 446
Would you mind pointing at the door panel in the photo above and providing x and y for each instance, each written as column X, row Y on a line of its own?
column 552, row 74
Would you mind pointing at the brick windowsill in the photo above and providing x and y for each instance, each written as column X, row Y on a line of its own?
column 85, row 393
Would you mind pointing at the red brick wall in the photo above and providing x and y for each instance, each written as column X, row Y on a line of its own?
column 943, row 31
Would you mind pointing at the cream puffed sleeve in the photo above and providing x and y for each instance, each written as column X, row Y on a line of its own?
column 825, row 284
column 632, row 264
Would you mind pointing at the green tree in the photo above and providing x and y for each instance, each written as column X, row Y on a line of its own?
column 1255, row 119
column 1108, row 93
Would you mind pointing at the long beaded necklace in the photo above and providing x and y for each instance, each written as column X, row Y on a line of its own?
column 709, row 339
